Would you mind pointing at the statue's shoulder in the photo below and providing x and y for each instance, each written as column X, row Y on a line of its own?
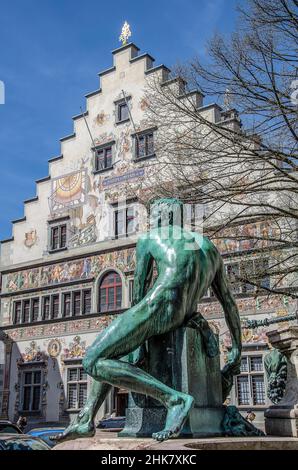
column 143, row 238
column 204, row 242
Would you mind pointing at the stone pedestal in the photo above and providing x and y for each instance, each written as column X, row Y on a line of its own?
column 179, row 360
column 282, row 419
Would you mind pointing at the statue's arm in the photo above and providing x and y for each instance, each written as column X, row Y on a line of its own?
column 144, row 262
column 222, row 290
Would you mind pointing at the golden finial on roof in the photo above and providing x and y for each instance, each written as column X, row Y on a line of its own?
column 125, row 33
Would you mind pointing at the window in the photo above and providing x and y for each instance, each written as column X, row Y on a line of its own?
column 87, row 301
column 35, row 310
column 72, row 303
column 67, row 304
column 122, row 111
column 247, row 272
column 77, row 303
column 124, row 221
column 110, row 292
column 103, row 158
column 232, row 270
column 58, row 237
column 26, row 311
column 17, row 312
column 250, row 384
column 144, row 145
column 130, row 290
column 46, row 307
column 31, row 392
column 76, row 388
column 254, row 270
column 55, row 306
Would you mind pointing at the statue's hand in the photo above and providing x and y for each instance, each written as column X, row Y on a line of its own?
column 230, row 369
column 210, row 340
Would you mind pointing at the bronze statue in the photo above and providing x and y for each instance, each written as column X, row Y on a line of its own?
column 187, row 264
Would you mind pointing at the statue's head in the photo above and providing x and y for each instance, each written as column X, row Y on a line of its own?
column 166, row 211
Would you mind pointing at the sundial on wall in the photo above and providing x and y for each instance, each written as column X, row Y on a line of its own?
column 68, row 191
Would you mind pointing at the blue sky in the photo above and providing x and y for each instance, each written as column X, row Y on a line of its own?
column 50, row 54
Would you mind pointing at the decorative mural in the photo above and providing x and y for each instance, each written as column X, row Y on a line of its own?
column 246, row 237
column 75, row 350
column 249, row 336
column 86, row 268
column 68, row 191
column 53, row 330
column 20, row 280
column 54, row 348
column 101, row 118
column 143, row 104
column 30, row 238
column 252, row 304
column 32, row 354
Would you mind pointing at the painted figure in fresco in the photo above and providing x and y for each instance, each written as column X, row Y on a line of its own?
column 86, row 268
column 187, row 264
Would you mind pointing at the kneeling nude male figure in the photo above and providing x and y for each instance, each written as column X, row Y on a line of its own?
column 187, row 265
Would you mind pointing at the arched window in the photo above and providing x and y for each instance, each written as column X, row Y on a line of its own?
column 110, row 292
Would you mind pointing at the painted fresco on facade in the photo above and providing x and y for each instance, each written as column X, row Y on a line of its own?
column 75, row 350
column 54, row 347
column 21, row 280
column 32, row 354
column 276, row 304
column 68, row 191
column 51, row 330
column 86, row 268
column 246, row 237
column 30, row 238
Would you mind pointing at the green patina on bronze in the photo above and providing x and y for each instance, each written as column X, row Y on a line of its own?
column 187, row 264
column 276, row 369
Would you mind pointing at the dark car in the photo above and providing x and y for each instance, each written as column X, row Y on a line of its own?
column 8, row 427
column 46, row 434
column 21, row 442
column 112, row 424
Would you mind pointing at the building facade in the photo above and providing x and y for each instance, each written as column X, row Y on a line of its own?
column 68, row 268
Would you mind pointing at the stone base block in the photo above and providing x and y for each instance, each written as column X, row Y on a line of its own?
column 282, row 427
column 281, row 421
column 203, row 422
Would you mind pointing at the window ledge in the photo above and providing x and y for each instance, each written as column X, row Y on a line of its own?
column 122, row 122
column 146, row 157
column 30, row 413
column 57, row 250
column 111, row 312
column 125, row 235
column 103, row 170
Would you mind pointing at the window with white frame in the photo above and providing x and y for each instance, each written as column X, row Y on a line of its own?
column 122, row 111
column 144, row 144
column 26, row 311
column 31, row 390
column 250, row 384
column 104, row 157
column 125, row 221
column 130, row 291
column 58, row 237
column 76, row 387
